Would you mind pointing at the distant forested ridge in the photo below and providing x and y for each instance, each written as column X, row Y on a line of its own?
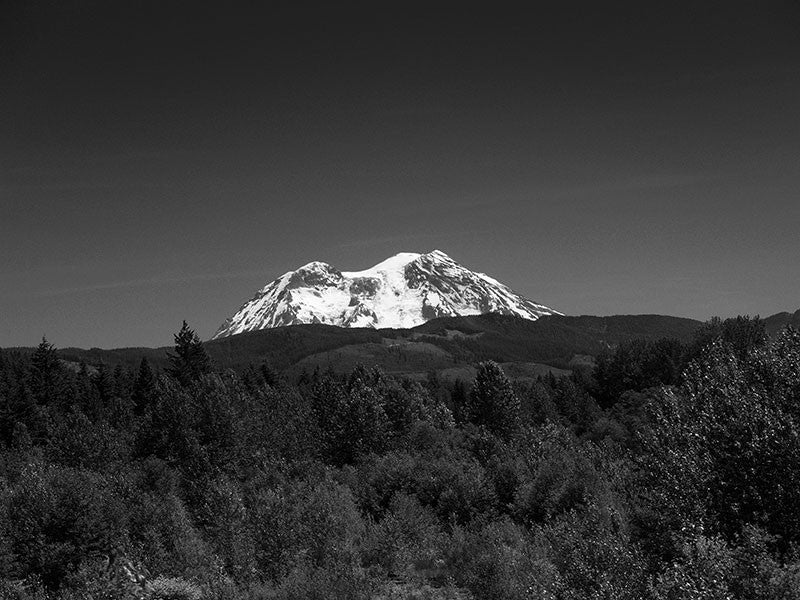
column 439, row 344
column 666, row 468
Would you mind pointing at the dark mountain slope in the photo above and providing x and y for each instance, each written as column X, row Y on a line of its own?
column 439, row 344
column 779, row 321
column 552, row 340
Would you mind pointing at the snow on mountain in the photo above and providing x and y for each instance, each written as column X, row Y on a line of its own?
column 403, row 291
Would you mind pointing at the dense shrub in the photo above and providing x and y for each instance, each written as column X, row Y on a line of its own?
column 310, row 521
column 60, row 518
column 455, row 487
column 172, row 588
column 406, row 541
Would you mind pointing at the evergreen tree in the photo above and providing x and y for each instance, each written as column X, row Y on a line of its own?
column 351, row 418
column 46, row 374
column 538, row 405
column 17, row 406
column 143, row 387
column 190, row 360
column 123, row 382
column 492, row 401
column 458, row 400
column 304, row 378
column 268, row 374
column 637, row 365
column 21, row 439
column 45, row 358
column 104, row 383
column 403, row 407
column 574, row 402
column 87, row 395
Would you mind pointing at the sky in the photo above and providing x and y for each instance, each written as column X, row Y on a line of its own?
column 162, row 162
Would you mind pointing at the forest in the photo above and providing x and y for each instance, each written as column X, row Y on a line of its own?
column 667, row 471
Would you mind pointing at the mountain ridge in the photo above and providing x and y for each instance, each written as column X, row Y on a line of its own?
column 778, row 321
column 439, row 344
column 400, row 292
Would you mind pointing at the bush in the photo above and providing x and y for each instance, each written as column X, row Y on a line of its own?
column 16, row 590
column 594, row 555
column 174, row 588
column 332, row 582
column 421, row 591
column 501, row 561
column 299, row 521
column 455, row 487
column 62, row 517
column 406, row 540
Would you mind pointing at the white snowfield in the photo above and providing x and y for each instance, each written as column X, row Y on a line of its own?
column 403, row 291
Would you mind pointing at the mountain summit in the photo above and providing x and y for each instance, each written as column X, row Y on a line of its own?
column 403, row 291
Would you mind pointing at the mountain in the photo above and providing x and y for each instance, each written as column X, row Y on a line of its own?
column 779, row 321
column 401, row 292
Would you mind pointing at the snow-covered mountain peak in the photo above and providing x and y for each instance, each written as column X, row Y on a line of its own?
column 394, row 263
column 402, row 291
column 438, row 255
column 316, row 265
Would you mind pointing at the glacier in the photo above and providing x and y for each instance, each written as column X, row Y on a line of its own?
column 401, row 292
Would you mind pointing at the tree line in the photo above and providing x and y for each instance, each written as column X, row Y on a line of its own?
column 668, row 471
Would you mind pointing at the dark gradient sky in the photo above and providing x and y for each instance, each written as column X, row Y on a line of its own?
column 160, row 164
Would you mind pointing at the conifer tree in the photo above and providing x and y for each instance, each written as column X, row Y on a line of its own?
column 104, row 383
column 190, row 360
column 458, row 401
column 143, row 387
column 45, row 359
column 21, row 439
column 350, row 416
column 19, row 406
column 268, row 374
column 492, row 401
column 47, row 374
